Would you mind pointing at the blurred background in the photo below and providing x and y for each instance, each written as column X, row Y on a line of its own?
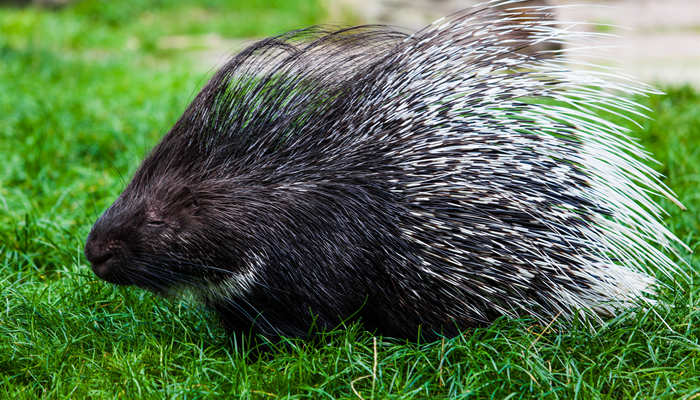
column 654, row 40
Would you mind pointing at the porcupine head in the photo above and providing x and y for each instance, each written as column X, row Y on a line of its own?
column 431, row 181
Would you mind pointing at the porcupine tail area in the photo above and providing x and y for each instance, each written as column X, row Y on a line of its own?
column 503, row 189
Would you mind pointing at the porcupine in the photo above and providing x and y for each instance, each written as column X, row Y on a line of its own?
column 425, row 182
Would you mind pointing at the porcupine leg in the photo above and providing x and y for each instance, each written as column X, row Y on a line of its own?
column 263, row 318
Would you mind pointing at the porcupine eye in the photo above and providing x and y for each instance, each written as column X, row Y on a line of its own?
column 154, row 220
column 174, row 210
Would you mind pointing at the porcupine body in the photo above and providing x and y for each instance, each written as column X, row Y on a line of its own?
column 432, row 181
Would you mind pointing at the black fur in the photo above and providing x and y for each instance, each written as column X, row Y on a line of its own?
column 287, row 174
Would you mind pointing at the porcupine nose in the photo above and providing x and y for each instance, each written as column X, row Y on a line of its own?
column 98, row 258
column 104, row 261
column 100, row 264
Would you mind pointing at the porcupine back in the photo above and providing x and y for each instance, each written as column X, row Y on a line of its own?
column 439, row 179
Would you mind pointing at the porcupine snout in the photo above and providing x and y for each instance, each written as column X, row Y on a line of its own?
column 106, row 250
column 103, row 259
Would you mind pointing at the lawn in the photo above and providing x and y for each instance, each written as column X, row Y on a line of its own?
column 86, row 91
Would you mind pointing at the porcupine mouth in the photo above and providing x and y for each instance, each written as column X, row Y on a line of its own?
column 107, row 268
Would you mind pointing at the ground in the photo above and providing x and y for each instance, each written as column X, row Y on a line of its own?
column 86, row 91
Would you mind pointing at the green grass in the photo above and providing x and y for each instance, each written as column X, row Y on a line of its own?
column 77, row 113
column 95, row 28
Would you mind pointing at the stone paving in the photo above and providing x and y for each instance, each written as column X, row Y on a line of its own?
column 655, row 40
